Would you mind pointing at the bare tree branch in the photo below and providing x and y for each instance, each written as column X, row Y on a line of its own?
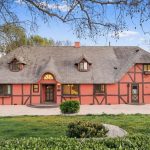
column 90, row 18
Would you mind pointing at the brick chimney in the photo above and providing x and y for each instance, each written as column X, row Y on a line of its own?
column 77, row 44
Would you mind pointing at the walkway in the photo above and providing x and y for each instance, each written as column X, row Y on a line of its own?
column 6, row 110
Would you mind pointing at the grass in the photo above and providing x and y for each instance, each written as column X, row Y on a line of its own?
column 55, row 126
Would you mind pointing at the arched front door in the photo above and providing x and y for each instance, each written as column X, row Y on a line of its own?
column 48, row 84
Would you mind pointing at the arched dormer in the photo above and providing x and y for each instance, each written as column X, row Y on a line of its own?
column 83, row 64
column 16, row 65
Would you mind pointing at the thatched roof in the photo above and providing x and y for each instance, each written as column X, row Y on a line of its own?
column 109, row 64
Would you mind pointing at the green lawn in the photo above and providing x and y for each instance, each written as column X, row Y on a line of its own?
column 55, row 126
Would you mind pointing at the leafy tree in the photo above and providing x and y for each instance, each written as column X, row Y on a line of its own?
column 11, row 37
column 87, row 17
column 38, row 40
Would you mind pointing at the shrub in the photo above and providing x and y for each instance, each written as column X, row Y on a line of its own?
column 86, row 130
column 62, row 143
column 72, row 106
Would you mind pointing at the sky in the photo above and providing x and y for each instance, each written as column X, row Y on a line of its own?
column 61, row 32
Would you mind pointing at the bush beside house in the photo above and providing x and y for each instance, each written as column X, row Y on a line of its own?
column 69, row 107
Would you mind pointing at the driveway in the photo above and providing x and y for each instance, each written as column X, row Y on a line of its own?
column 17, row 110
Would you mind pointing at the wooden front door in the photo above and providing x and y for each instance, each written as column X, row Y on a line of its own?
column 49, row 93
column 135, row 93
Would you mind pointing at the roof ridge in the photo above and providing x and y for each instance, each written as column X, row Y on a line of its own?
column 80, row 46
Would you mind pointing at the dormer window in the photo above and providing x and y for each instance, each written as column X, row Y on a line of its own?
column 16, row 65
column 83, row 64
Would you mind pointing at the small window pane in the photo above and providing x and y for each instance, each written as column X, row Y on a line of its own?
column 15, row 66
column 134, row 91
column 8, row 89
column 5, row 89
column 102, row 88
column 148, row 67
column 85, row 65
column 1, row 90
column 99, row 88
column 35, row 88
column 145, row 67
column 66, row 89
column 134, row 87
column 74, row 89
column 81, row 66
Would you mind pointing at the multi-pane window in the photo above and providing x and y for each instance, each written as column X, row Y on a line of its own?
column 5, row 89
column 83, row 66
column 70, row 89
column 35, row 88
column 146, row 67
column 14, row 66
column 99, row 88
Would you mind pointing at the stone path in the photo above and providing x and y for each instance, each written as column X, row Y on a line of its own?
column 17, row 110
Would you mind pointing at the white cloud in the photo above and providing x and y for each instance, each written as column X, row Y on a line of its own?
column 145, row 40
column 62, row 7
column 44, row 5
column 142, row 39
column 19, row 1
column 125, row 34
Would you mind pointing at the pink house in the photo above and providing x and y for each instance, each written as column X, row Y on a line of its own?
column 91, row 75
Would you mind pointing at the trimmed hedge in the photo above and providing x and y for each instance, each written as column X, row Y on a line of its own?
column 127, row 143
column 71, row 106
column 86, row 130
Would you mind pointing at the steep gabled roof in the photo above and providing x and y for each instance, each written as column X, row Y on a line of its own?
column 83, row 57
column 109, row 64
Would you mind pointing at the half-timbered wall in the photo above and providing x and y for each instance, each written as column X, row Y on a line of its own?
column 21, row 94
column 119, row 93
